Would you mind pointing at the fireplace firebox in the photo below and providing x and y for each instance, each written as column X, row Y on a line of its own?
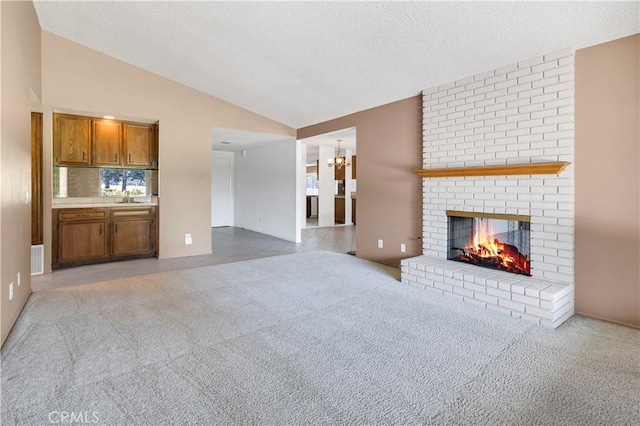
column 495, row 241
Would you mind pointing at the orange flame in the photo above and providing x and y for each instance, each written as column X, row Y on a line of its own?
column 484, row 246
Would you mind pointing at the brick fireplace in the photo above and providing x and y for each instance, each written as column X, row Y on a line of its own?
column 509, row 121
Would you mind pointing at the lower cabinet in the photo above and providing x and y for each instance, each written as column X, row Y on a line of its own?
column 339, row 210
column 84, row 236
column 353, row 210
column 132, row 232
column 82, row 241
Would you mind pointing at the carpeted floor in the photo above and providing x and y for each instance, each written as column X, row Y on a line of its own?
column 307, row 338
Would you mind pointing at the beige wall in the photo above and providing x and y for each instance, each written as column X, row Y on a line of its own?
column 389, row 206
column 20, row 77
column 607, row 173
column 78, row 78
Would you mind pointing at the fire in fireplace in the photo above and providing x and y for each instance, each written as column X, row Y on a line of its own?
column 490, row 240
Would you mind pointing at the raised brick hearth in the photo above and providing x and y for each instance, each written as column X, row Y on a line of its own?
column 521, row 113
column 544, row 302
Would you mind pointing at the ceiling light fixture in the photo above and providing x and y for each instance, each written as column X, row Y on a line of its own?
column 108, row 117
column 339, row 160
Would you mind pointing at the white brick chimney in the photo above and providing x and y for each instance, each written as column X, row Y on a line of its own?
column 521, row 113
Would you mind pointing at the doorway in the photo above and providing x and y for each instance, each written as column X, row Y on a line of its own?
column 331, row 185
column 222, row 189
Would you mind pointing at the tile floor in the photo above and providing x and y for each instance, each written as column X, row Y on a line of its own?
column 229, row 245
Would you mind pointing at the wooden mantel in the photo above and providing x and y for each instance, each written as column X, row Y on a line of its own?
column 504, row 170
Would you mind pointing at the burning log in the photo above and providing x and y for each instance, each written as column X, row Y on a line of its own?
column 506, row 257
column 485, row 249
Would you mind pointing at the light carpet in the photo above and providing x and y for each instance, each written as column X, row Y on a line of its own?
column 308, row 338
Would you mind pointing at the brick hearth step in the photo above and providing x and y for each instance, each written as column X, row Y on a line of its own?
column 541, row 301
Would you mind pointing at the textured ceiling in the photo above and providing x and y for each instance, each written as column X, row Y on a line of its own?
column 236, row 140
column 301, row 63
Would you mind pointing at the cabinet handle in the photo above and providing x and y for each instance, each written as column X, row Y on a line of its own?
column 116, row 228
column 115, row 157
column 100, row 229
column 129, row 157
column 84, row 156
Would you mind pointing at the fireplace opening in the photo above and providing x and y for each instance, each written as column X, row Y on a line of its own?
column 490, row 240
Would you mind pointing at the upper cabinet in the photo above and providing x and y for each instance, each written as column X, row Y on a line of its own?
column 138, row 142
column 353, row 167
column 71, row 140
column 106, row 139
column 340, row 173
column 155, row 146
column 86, row 141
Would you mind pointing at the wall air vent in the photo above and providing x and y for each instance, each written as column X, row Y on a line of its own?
column 37, row 260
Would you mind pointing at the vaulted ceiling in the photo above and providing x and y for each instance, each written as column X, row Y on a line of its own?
column 301, row 63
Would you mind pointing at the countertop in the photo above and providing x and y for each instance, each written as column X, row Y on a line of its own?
column 353, row 195
column 100, row 205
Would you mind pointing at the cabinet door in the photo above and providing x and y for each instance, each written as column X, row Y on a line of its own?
column 353, row 210
column 82, row 241
column 36, row 179
column 339, row 210
column 339, row 172
column 353, row 167
column 132, row 236
column 138, row 141
column 154, row 146
column 71, row 140
column 106, row 138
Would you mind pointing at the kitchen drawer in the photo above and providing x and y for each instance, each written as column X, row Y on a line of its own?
column 81, row 214
column 126, row 213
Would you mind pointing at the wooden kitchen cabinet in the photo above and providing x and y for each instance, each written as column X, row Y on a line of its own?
column 139, row 145
column 339, row 209
column 353, row 211
column 132, row 231
column 37, row 211
column 80, row 235
column 87, row 141
column 155, row 146
column 353, row 167
column 95, row 235
column 82, row 241
column 339, row 173
column 71, row 140
column 106, row 142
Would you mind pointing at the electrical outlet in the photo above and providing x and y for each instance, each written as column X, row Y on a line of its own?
column 18, row 279
column 380, row 244
column 403, row 248
column 187, row 239
column 10, row 291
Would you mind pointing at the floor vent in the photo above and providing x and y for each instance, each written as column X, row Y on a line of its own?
column 37, row 260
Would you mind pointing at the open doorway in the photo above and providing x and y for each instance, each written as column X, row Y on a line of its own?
column 222, row 189
column 331, row 179
column 254, row 183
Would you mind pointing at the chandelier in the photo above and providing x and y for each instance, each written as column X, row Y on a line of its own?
column 339, row 160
